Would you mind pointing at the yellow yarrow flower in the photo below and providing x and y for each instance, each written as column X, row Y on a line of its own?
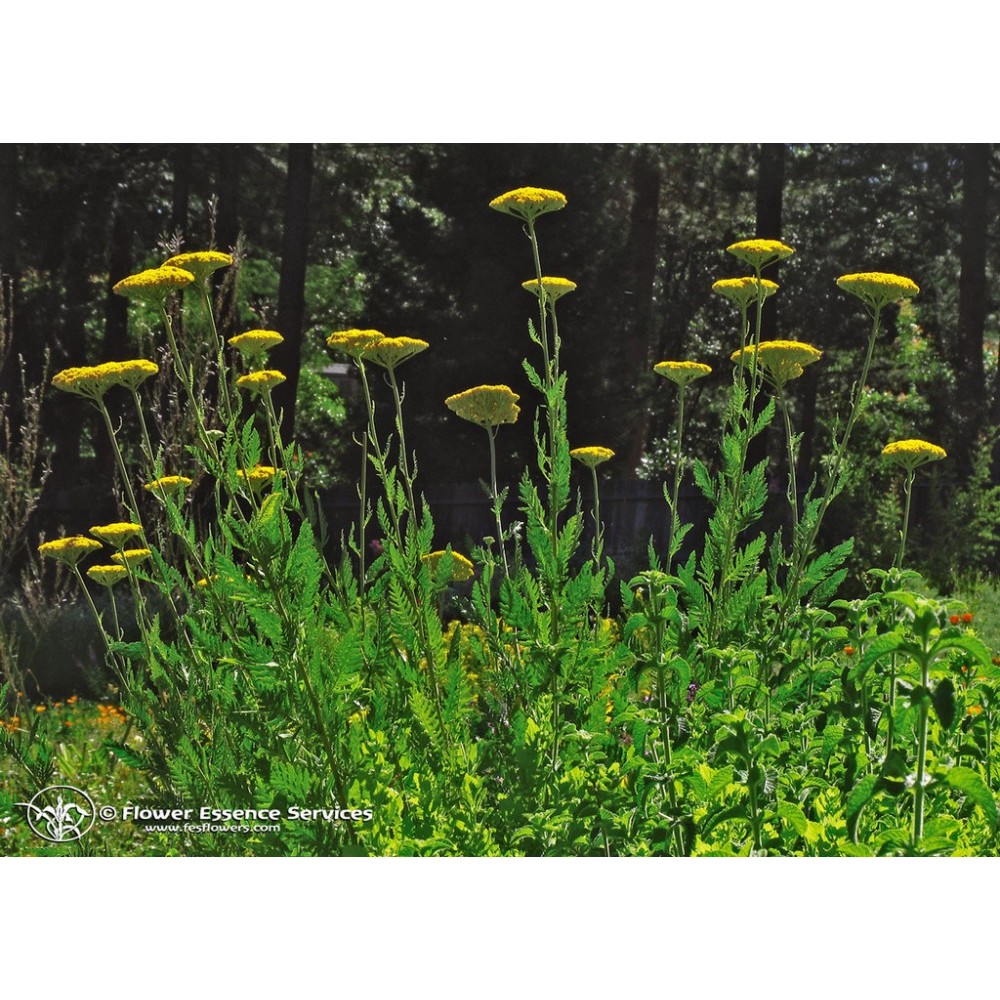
column 153, row 285
column 461, row 567
column 552, row 288
column 107, row 576
column 682, row 372
column 877, row 289
column 255, row 343
column 912, row 453
column 759, row 253
column 354, row 342
column 168, row 485
column 592, row 456
column 68, row 550
column 201, row 263
column 528, row 202
column 131, row 557
column 743, row 291
column 780, row 360
column 392, row 351
column 116, row 534
column 93, row 381
column 260, row 382
column 486, row 405
column 258, row 476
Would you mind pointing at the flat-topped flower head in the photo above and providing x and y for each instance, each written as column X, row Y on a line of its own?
column 592, row 456
column 912, row 453
column 260, row 382
column 256, row 343
column 116, row 534
column 131, row 557
column 528, row 202
column 107, row 576
column 392, row 351
column 552, row 289
column 877, row 289
column 201, row 263
column 759, row 253
column 257, row 477
column 170, row 486
column 461, row 567
column 153, row 285
column 69, row 550
column 780, row 360
column 486, row 405
column 131, row 374
column 743, row 291
column 354, row 342
column 682, row 372
column 93, row 381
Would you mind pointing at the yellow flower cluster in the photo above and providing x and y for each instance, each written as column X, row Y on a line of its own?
column 912, row 453
column 743, row 291
column 780, row 360
column 258, row 477
column 93, row 381
column 260, row 382
column 877, row 289
column 461, row 567
column 354, row 342
column 552, row 288
column 255, row 343
column 110, row 715
column 200, row 263
column 529, row 202
column 759, row 253
column 486, row 405
column 116, row 534
column 682, row 372
column 131, row 557
column 592, row 456
column 392, row 351
column 107, row 576
column 68, row 550
column 168, row 485
column 153, row 285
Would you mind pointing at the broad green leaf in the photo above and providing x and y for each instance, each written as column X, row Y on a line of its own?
column 971, row 784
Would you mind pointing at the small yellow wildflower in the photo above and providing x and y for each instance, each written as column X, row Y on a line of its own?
column 69, row 550
column 354, row 342
column 682, row 372
column 153, row 285
column 258, row 476
column 40, row 708
column 552, row 288
column 877, row 289
column 204, row 581
column 201, row 263
column 743, row 291
column 168, row 485
column 255, row 343
column 486, row 405
column 760, row 253
column 131, row 374
column 461, row 567
column 107, row 576
column 392, row 351
column 529, row 202
column 974, row 710
column 780, row 360
column 116, row 534
column 131, row 557
column 592, row 456
column 912, row 453
column 93, row 381
column 260, row 382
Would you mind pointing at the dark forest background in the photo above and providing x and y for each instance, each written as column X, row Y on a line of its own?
column 400, row 238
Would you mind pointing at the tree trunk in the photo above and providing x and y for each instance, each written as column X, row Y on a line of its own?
column 969, row 377
column 8, row 266
column 641, row 252
column 181, row 160
column 227, row 231
column 287, row 357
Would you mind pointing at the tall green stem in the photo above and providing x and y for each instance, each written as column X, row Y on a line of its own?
column 793, row 489
column 491, row 433
column 678, row 466
column 127, row 483
column 907, row 490
column 598, row 525
column 918, row 799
